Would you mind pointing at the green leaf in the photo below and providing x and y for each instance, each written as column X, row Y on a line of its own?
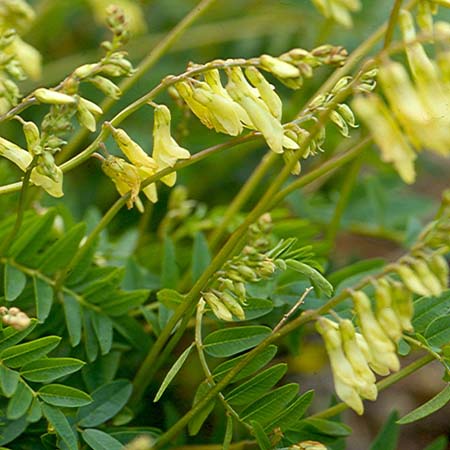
column 170, row 298
column 43, row 294
column 426, row 309
column 201, row 256
column 269, row 406
column 32, row 236
column 10, row 336
column 104, row 331
column 170, row 273
column 108, row 400
column 122, row 302
column 59, row 255
column 8, row 380
column 73, row 314
column 257, row 307
column 328, row 427
column 197, row 421
column 22, row 354
column 315, row 277
column 439, row 444
column 261, row 437
column 387, row 438
column 50, row 369
column 293, row 413
column 256, row 386
column 173, row 372
column 63, row 396
column 11, row 429
column 101, row 371
column 20, row 402
column 61, row 425
column 15, row 282
column 99, row 440
column 258, row 362
column 436, row 403
column 229, row 341
column 438, row 332
column 100, row 290
column 81, row 269
column 361, row 268
column 35, row 411
column 90, row 339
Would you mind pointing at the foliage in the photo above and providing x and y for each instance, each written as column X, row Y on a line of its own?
column 115, row 321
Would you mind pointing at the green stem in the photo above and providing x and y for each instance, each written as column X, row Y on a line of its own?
column 241, row 198
column 204, row 363
column 4, row 247
column 391, row 24
column 381, row 385
column 344, row 196
column 329, row 166
column 146, row 64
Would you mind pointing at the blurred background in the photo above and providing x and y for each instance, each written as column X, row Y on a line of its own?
column 383, row 215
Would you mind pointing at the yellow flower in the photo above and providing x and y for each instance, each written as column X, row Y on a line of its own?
column 381, row 347
column 385, row 314
column 257, row 110
column 166, row 151
column 126, row 178
column 47, row 174
column 387, row 135
column 144, row 164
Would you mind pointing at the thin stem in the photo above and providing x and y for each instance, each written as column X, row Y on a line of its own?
column 204, row 363
column 381, row 385
column 297, row 305
column 329, row 166
column 391, row 24
column 241, row 198
column 146, row 64
column 344, row 197
column 4, row 247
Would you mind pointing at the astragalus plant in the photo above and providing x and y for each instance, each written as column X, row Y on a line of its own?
column 170, row 321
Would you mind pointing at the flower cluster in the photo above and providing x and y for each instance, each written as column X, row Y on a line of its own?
column 416, row 114
column 248, row 100
column 355, row 356
column 227, row 295
column 65, row 102
column 338, row 10
column 14, row 317
column 166, row 152
column 17, row 58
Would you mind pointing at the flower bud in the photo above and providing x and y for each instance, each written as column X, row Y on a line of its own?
column 339, row 121
column 32, row 136
column 278, row 67
column 385, row 314
column 411, row 280
column 266, row 91
column 85, row 113
column 85, row 71
column 428, row 278
column 217, row 307
column 381, row 348
column 357, row 360
column 106, row 86
column 347, row 114
column 403, row 305
column 53, row 97
column 232, row 305
column 438, row 264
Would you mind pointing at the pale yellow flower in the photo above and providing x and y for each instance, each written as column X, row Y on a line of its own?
column 166, row 151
